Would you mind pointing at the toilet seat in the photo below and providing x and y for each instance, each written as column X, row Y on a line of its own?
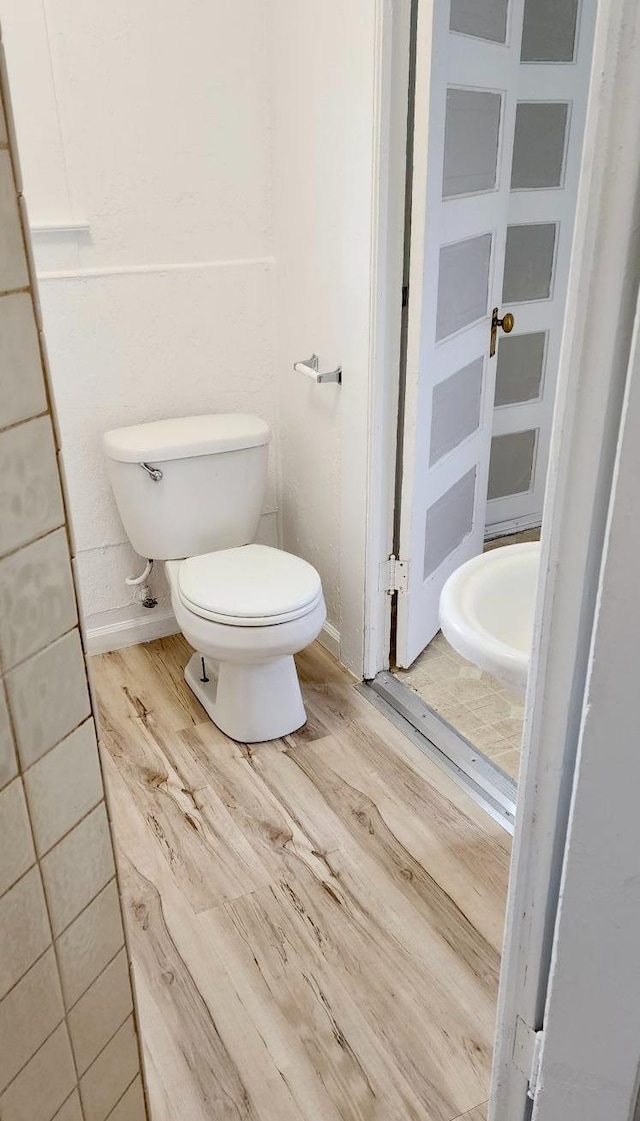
column 249, row 586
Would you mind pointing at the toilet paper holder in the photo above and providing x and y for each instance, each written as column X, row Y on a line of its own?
column 309, row 367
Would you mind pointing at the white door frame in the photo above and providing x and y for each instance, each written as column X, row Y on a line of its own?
column 370, row 417
column 590, row 1053
column 603, row 286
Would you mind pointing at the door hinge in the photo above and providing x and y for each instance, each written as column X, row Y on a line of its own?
column 527, row 1049
column 405, row 295
column 394, row 576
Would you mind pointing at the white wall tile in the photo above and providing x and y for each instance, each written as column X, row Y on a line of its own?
column 89, row 943
column 44, row 1084
column 37, row 598
column 63, row 786
column 13, row 263
column 44, row 706
column 16, row 845
column 25, row 929
column 22, row 391
column 131, row 1106
column 71, row 1110
column 28, row 1015
column 48, row 696
column 30, row 492
column 109, row 1076
column 8, row 761
column 100, row 1012
column 78, row 868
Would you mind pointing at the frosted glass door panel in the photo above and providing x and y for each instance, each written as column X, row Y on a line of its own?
column 463, row 284
column 467, row 72
column 449, row 521
column 512, row 463
column 483, row 19
column 471, row 137
column 456, row 409
column 539, row 145
column 520, row 368
column 549, row 31
column 528, row 265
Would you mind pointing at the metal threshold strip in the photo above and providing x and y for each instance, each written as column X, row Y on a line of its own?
column 490, row 787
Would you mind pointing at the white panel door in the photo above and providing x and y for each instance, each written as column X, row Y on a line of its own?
column 467, row 61
column 553, row 80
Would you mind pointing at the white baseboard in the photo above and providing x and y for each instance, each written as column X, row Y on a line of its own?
column 329, row 637
column 114, row 630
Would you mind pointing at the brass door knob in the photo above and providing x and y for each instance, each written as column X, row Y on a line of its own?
column 507, row 323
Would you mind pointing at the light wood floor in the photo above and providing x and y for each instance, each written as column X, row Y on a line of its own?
column 315, row 922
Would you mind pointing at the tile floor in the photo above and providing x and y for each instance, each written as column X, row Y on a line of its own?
column 476, row 704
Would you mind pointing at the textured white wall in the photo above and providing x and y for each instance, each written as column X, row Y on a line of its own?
column 324, row 59
column 178, row 132
column 152, row 122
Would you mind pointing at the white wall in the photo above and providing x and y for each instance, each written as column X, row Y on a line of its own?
column 150, row 121
column 324, row 67
column 181, row 134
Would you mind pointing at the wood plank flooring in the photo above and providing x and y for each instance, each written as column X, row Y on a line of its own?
column 315, row 922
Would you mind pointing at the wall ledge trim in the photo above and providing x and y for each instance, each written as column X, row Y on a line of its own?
column 136, row 270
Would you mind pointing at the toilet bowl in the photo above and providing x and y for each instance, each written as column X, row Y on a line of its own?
column 190, row 492
column 247, row 611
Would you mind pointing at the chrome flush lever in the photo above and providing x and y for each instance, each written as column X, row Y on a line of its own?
column 153, row 472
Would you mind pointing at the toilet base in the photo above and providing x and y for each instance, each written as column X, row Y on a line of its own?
column 249, row 702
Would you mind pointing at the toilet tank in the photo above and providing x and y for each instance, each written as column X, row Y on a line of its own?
column 190, row 485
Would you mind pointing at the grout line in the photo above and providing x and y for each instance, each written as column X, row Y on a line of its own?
column 53, row 943
column 100, row 889
column 120, row 899
column 97, row 977
column 26, row 288
column 85, row 908
column 130, row 1015
column 27, row 545
column 41, row 856
column 25, row 420
column 35, row 961
column 63, row 1020
column 23, row 770
column 126, row 1091
column 66, row 1100
column 8, row 670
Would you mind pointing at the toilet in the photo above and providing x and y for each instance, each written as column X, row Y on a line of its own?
column 190, row 492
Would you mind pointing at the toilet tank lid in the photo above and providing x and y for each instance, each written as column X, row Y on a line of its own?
column 186, row 436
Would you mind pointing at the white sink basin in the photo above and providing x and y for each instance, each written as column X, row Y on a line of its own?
column 486, row 611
